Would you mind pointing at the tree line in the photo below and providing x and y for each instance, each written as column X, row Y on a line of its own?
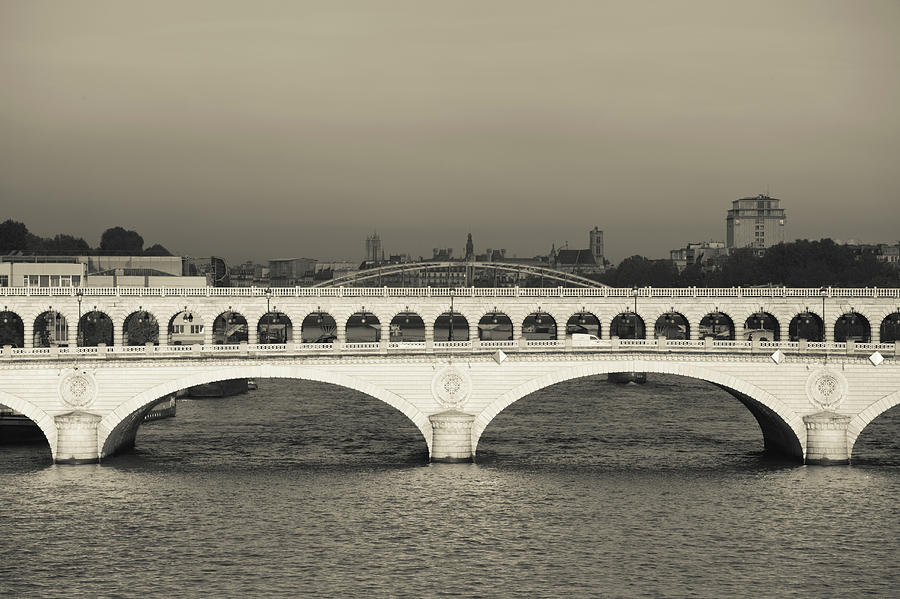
column 801, row 263
column 115, row 241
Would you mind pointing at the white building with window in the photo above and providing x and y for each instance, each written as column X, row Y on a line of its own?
column 14, row 273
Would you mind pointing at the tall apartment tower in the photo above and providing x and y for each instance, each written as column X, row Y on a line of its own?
column 597, row 245
column 373, row 248
column 755, row 223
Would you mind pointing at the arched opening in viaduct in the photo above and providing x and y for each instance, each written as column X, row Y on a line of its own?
column 539, row 325
column 852, row 326
column 95, row 328
column 762, row 326
column 495, row 326
column 806, row 325
column 627, row 325
column 583, row 322
column 51, row 329
column 717, row 325
column 451, row 329
column 672, row 325
column 274, row 327
column 12, row 329
column 363, row 327
column 117, row 434
column 890, row 328
column 407, row 326
column 186, row 328
column 229, row 328
column 318, row 327
column 877, row 442
column 140, row 328
column 576, row 425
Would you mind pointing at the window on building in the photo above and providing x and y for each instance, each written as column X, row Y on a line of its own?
column 54, row 280
column 4, row 280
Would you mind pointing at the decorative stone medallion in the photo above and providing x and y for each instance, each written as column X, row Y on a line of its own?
column 451, row 387
column 826, row 389
column 78, row 389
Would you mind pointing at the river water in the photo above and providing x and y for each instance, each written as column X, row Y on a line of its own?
column 584, row 489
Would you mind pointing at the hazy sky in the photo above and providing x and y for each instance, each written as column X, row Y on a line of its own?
column 280, row 129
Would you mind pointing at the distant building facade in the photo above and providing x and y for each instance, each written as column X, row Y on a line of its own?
column 374, row 253
column 755, row 223
column 596, row 245
column 706, row 253
column 291, row 272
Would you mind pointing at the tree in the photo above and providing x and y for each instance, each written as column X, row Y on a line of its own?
column 157, row 250
column 13, row 236
column 63, row 243
column 119, row 241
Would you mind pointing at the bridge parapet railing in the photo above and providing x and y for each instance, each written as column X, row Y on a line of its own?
column 497, row 344
column 314, row 347
column 545, row 343
column 607, row 292
column 406, row 345
column 452, row 344
column 362, row 345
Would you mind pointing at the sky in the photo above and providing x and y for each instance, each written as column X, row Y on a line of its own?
column 257, row 130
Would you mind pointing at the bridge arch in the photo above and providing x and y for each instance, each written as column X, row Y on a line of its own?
column 583, row 322
column 718, row 325
column 444, row 332
column 673, row 325
column 318, row 327
column 51, row 328
column 495, row 326
column 627, row 325
column 864, row 418
column 763, row 326
column 274, row 327
column 186, row 327
column 363, row 327
column 539, row 325
column 94, row 328
column 139, row 328
column 890, row 328
column 852, row 326
column 806, row 325
column 12, row 329
column 229, row 327
column 407, row 325
column 782, row 428
column 118, row 429
column 41, row 418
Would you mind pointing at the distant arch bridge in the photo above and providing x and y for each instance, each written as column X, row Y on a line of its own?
column 462, row 274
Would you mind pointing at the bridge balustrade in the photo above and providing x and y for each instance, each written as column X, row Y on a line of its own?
column 607, row 292
column 639, row 345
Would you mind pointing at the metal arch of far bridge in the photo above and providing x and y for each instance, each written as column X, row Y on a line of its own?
column 520, row 270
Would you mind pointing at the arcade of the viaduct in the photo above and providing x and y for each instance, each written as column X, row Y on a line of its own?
column 811, row 400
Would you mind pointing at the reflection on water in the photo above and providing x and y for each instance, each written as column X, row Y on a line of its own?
column 584, row 489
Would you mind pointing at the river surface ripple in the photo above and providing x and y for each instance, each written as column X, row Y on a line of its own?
column 584, row 489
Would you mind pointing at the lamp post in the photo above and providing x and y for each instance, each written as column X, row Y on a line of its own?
column 79, row 334
column 450, row 334
column 824, row 292
column 268, row 312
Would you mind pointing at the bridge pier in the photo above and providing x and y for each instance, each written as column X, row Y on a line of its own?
column 826, row 439
column 452, row 436
column 76, row 441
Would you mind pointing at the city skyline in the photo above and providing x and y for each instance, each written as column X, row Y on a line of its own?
column 298, row 130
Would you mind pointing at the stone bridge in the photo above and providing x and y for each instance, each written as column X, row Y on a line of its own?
column 450, row 360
